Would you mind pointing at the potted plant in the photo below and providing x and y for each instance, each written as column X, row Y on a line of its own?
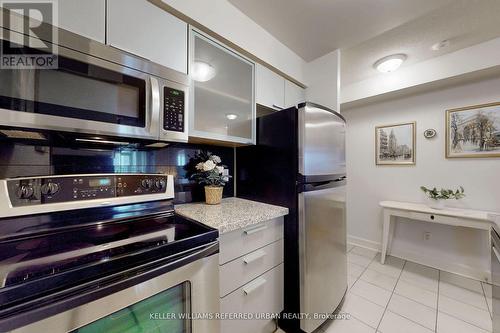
column 438, row 197
column 210, row 172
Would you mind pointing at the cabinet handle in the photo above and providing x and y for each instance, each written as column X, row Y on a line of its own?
column 255, row 230
column 254, row 256
column 254, row 285
column 278, row 107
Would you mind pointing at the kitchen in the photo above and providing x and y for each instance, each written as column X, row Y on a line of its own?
column 213, row 166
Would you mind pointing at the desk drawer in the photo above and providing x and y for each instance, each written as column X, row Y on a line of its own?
column 456, row 221
column 435, row 218
column 240, row 242
column 262, row 295
column 241, row 270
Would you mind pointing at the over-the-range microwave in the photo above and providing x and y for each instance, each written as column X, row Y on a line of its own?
column 95, row 89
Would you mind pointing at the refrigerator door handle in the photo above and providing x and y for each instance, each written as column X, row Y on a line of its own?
column 323, row 185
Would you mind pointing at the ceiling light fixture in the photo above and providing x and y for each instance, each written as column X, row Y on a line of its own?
column 202, row 71
column 231, row 116
column 390, row 63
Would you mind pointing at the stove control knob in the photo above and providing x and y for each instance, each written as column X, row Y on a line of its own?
column 25, row 192
column 147, row 183
column 49, row 188
column 160, row 184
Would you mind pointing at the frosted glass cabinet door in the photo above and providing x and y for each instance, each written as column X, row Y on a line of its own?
column 222, row 97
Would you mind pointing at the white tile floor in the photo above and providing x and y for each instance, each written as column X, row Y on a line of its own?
column 402, row 296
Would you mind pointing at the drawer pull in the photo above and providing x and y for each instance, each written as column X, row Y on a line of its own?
column 254, row 256
column 255, row 230
column 432, row 217
column 254, row 285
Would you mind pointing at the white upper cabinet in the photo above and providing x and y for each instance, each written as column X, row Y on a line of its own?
column 293, row 94
column 86, row 18
column 269, row 88
column 222, row 105
column 141, row 28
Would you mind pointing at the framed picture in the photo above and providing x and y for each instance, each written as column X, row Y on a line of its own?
column 473, row 131
column 395, row 144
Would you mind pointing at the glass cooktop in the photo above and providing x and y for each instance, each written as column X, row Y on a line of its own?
column 45, row 253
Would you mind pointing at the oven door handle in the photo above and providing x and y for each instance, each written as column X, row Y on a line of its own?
column 5, row 270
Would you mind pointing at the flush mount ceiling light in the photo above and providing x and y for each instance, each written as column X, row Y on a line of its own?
column 390, row 63
column 231, row 116
column 202, row 71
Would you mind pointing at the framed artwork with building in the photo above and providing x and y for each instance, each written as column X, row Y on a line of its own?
column 473, row 131
column 395, row 144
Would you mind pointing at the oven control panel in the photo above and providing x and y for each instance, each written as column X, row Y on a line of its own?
column 60, row 189
column 173, row 109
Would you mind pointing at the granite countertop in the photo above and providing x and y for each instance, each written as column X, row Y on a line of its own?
column 231, row 214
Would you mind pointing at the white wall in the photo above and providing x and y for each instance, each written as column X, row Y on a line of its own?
column 458, row 249
column 323, row 80
column 226, row 20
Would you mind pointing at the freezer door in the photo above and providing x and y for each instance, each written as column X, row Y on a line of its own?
column 322, row 250
column 321, row 141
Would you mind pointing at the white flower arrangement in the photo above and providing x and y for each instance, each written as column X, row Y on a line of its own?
column 209, row 170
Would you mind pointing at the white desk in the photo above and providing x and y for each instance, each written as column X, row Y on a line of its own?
column 449, row 216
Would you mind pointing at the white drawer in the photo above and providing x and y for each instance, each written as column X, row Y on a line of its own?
column 242, row 241
column 262, row 295
column 435, row 218
column 241, row 270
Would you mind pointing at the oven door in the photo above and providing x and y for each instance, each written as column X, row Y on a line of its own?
column 184, row 300
column 84, row 94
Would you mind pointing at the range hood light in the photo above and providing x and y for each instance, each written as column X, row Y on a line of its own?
column 117, row 143
column 18, row 134
column 157, row 145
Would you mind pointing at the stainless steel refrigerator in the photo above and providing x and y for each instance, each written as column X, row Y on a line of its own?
column 299, row 162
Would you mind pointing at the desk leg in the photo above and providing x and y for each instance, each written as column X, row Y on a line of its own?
column 385, row 235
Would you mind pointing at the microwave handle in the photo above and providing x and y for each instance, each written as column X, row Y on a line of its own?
column 154, row 121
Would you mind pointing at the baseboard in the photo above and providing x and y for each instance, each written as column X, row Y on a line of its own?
column 451, row 267
column 362, row 242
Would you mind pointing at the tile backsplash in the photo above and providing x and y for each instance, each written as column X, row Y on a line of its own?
column 18, row 160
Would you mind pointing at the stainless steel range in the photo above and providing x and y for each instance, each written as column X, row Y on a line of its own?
column 103, row 253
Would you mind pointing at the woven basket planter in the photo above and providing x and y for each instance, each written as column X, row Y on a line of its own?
column 213, row 194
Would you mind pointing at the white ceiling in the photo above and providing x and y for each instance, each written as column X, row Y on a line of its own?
column 463, row 22
column 312, row 28
column 367, row 30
